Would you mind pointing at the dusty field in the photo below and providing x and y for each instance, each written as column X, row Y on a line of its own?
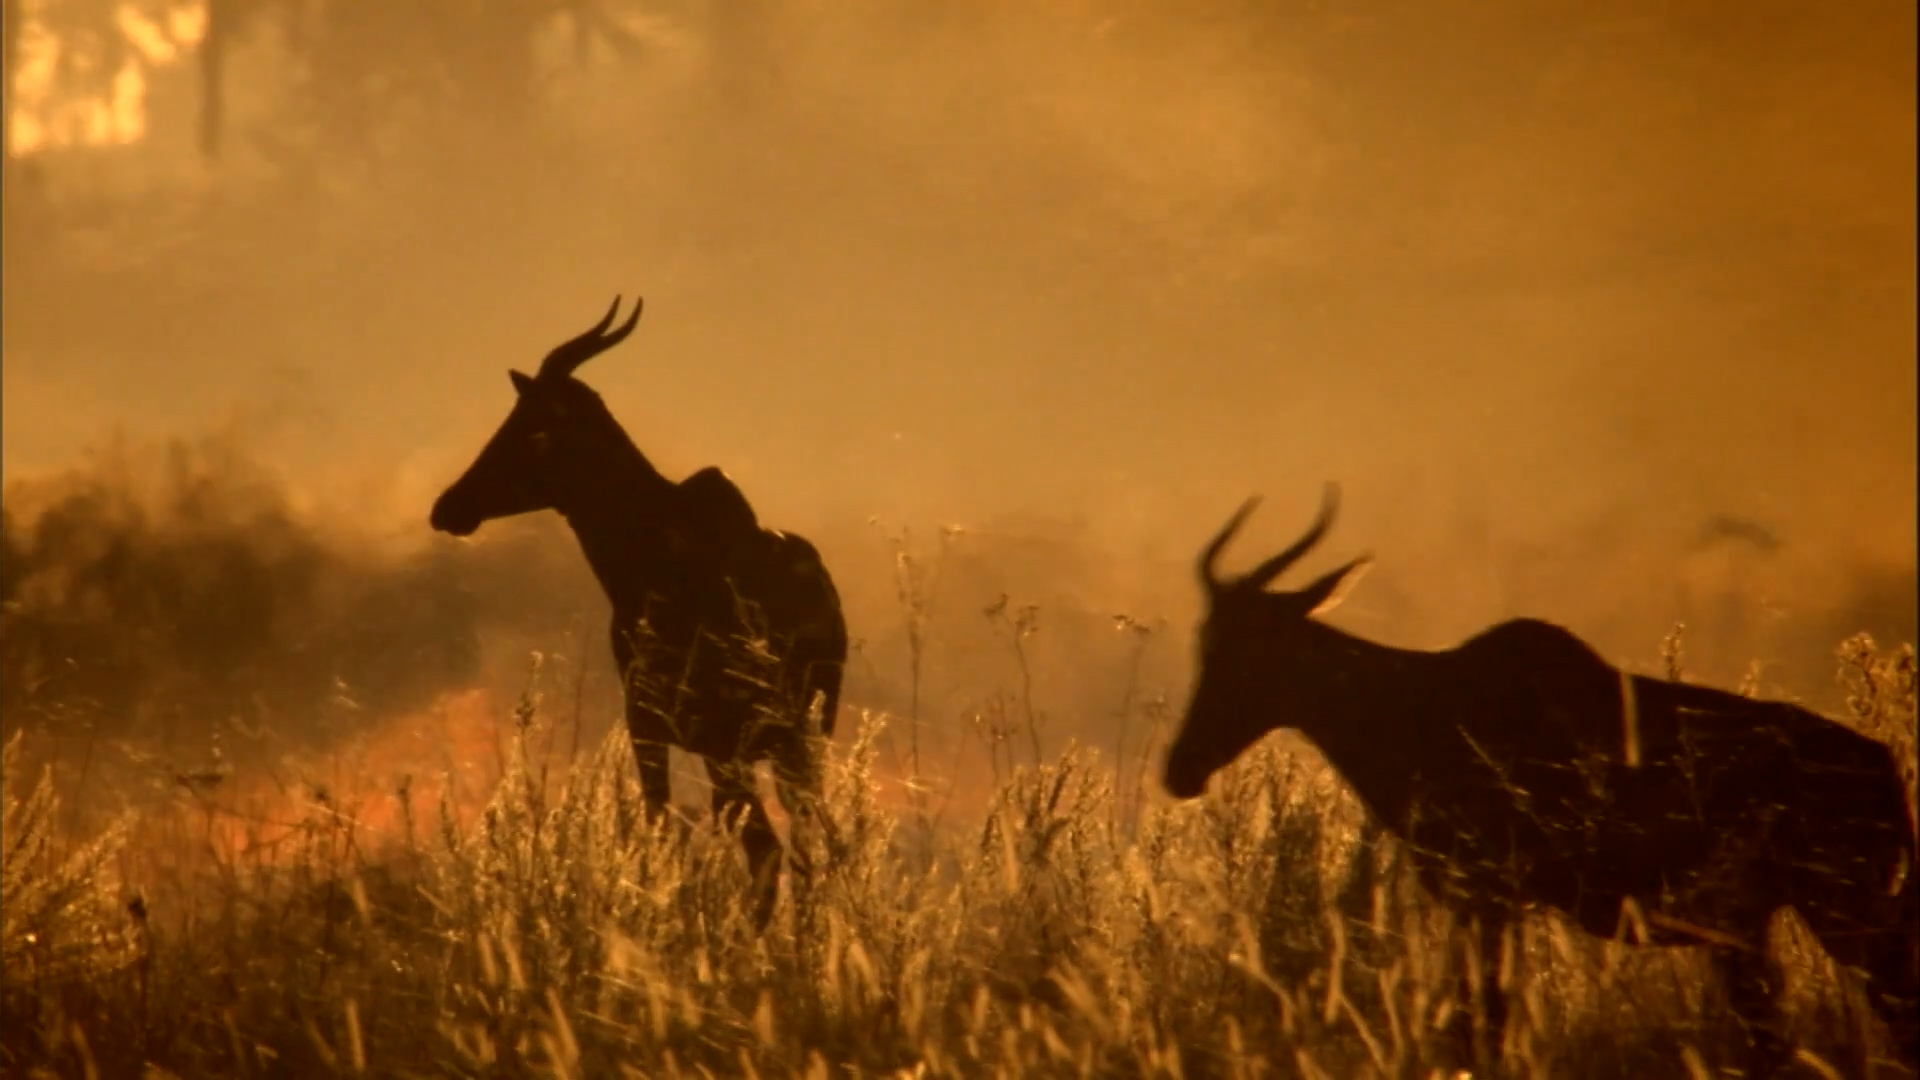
column 427, row 924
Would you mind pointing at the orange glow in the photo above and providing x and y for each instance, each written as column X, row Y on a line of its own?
column 450, row 751
column 117, row 118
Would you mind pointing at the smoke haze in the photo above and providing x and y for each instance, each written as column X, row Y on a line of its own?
column 1602, row 313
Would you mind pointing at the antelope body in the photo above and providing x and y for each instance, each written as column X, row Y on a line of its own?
column 1521, row 770
column 725, row 633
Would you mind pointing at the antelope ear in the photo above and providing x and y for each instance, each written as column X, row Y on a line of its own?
column 1332, row 587
column 522, row 383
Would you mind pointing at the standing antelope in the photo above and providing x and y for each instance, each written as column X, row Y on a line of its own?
column 725, row 633
column 1522, row 770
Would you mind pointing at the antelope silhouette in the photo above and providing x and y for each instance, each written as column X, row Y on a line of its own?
column 1521, row 770
column 726, row 634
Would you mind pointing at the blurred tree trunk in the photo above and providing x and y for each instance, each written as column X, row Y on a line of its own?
column 12, row 21
column 497, row 65
column 213, row 76
column 746, row 71
column 20, row 181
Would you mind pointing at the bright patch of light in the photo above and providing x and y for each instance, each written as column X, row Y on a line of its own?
column 115, row 118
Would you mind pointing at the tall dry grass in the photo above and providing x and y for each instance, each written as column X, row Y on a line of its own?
column 1265, row 930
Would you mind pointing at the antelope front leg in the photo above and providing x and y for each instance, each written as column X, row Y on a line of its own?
column 1477, row 1030
column 796, row 778
column 648, row 728
column 735, row 792
column 799, row 764
column 656, row 785
column 1496, row 978
column 1753, row 986
column 649, row 742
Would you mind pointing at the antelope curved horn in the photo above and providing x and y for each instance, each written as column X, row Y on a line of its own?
column 569, row 355
column 1274, row 567
column 1210, row 555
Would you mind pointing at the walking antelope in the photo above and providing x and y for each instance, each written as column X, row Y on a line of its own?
column 1521, row 770
column 726, row 633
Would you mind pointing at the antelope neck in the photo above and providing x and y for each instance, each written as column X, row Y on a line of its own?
column 618, row 504
column 1361, row 706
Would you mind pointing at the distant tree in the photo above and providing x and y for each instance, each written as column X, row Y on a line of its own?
column 93, row 44
column 12, row 21
column 363, row 68
column 358, row 61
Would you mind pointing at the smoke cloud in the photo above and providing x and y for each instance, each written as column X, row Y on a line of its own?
column 1602, row 313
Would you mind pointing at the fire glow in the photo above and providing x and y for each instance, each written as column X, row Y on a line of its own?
column 384, row 792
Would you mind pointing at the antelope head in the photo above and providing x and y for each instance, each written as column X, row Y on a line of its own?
column 1248, row 635
column 519, row 467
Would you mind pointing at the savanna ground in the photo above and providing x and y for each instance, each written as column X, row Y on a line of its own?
column 320, row 915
